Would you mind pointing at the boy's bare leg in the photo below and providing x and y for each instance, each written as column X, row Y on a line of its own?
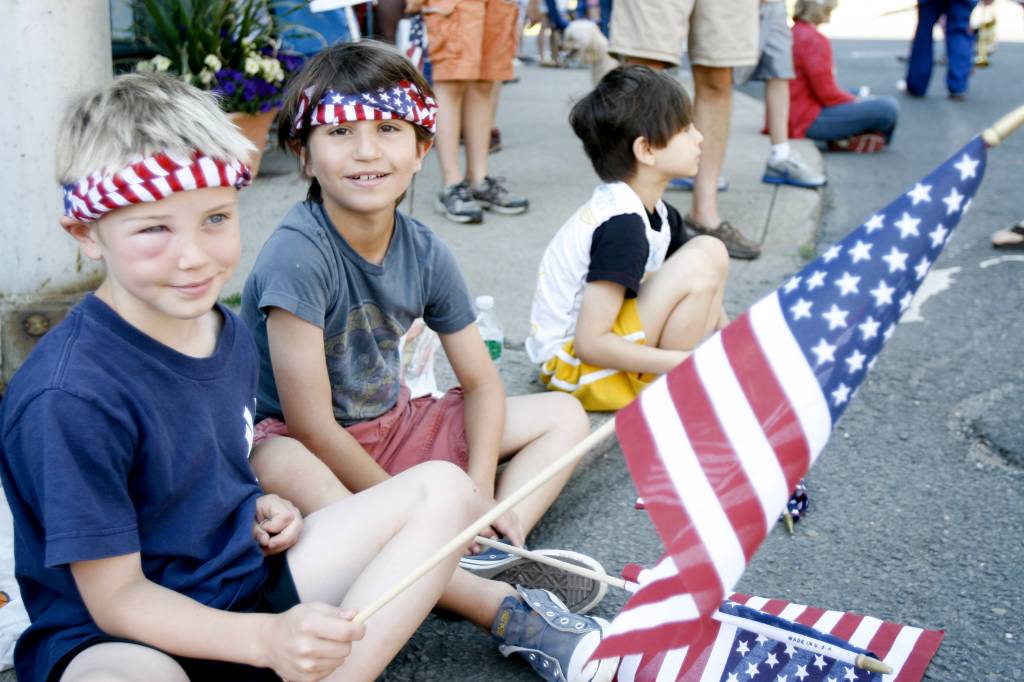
column 122, row 661
column 539, row 428
column 450, row 96
column 776, row 101
column 477, row 118
column 712, row 111
column 340, row 560
column 681, row 303
column 288, row 469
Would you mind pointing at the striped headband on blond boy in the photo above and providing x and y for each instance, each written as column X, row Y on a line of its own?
column 401, row 101
column 149, row 179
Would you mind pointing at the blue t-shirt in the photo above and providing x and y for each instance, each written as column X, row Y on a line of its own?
column 309, row 270
column 113, row 443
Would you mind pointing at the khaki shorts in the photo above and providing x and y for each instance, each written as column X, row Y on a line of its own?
column 718, row 33
column 471, row 40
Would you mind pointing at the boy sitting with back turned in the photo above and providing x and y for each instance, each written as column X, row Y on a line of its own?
column 622, row 295
column 145, row 549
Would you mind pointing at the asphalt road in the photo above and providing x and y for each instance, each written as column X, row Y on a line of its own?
column 916, row 502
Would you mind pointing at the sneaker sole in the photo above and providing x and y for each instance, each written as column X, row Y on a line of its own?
column 578, row 593
column 504, row 210
column 455, row 217
column 788, row 181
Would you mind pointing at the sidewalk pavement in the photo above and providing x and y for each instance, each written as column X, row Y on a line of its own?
column 544, row 161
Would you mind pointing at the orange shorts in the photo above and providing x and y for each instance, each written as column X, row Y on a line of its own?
column 412, row 432
column 471, row 40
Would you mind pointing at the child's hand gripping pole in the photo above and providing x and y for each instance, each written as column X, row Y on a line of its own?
column 464, row 538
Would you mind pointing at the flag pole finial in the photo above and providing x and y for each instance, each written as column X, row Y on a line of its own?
column 873, row 664
column 1004, row 127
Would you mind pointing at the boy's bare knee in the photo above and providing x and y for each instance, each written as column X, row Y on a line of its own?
column 569, row 414
column 444, row 480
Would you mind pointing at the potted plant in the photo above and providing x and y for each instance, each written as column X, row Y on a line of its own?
column 231, row 47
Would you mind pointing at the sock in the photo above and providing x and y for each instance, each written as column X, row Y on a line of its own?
column 779, row 153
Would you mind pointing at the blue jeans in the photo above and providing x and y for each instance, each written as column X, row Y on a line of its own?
column 558, row 22
column 959, row 45
column 871, row 114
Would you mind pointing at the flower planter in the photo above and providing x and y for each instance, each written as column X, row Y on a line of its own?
column 255, row 127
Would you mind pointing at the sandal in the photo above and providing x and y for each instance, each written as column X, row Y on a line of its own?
column 1017, row 231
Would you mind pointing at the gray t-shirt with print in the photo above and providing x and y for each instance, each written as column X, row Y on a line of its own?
column 308, row 269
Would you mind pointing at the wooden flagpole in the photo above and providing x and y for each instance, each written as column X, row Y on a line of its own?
column 1003, row 128
column 463, row 539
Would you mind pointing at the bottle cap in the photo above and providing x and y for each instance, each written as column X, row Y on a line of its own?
column 484, row 302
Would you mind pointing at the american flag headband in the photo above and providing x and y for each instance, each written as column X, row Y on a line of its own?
column 149, row 179
column 401, row 101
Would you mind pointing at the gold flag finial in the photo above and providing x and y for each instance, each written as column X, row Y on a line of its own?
column 1003, row 128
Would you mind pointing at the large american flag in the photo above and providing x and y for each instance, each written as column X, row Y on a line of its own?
column 717, row 445
column 726, row 653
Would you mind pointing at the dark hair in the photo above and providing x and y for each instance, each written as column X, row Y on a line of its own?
column 347, row 68
column 629, row 102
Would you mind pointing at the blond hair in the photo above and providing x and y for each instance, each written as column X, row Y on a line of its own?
column 138, row 115
column 814, row 11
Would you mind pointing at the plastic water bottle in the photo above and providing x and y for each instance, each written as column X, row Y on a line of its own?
column 490, row 327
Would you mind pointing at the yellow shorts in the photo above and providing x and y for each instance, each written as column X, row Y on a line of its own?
column 598, row 388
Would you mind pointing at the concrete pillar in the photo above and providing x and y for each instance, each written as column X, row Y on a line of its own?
column 52, row 50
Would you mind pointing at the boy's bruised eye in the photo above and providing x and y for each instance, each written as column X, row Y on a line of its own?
column 153, row 229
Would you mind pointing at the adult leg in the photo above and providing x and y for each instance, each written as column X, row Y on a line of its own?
column 712, row 112
column 919, row 66
column 539, row 428
column 115, row 661
column 959, row 45
column 680, row 305
column 477, row 117
column 450, row 98
column 356, row 549
column 776, row 101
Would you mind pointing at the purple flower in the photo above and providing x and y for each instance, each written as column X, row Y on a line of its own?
column 228, row 88
column 249, row 90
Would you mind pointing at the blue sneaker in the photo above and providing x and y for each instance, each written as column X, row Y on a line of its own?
column 792, row 171
column 579, row 593
column 686, row 183
column 556, row 642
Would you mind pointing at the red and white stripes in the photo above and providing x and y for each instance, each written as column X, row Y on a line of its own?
column 716, row 447
column 150, row 179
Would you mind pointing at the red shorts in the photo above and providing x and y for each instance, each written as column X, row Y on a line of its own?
column 412, row 432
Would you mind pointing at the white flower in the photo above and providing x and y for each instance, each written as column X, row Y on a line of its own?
column 161, row 63
column 252, row 66
column 213, row 62
column 144, row 66
column 206, row 77
column 272, row 71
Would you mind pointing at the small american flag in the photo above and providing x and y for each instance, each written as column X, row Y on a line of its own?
column 416, row 49
column 717, row 445
column 725, row 653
